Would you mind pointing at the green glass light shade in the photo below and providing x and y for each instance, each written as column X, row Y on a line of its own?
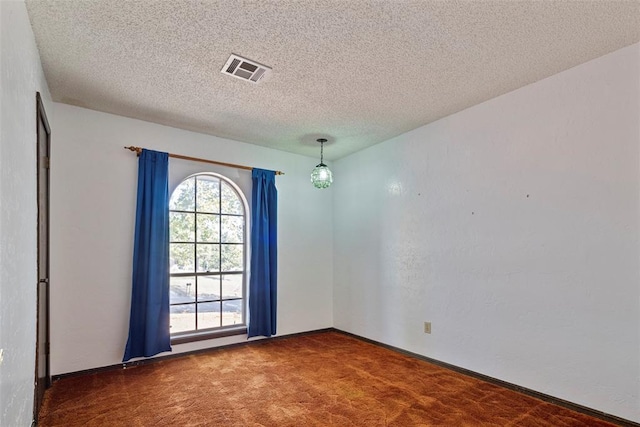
column 321, row 176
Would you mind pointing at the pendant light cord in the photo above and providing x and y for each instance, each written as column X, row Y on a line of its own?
column 321, row 141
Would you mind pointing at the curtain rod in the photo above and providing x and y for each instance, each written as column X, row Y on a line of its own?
column 138, row 150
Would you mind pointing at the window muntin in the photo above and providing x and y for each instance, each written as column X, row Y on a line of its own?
column 208, row 255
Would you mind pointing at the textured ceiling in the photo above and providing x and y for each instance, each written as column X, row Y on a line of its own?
column 357, row 72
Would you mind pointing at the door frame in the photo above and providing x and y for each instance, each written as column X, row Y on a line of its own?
column 41, row 117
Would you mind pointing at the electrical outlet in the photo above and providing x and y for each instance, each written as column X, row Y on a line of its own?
column 427, row 327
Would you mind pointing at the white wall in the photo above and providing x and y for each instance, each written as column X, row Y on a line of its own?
column 20, row 77
column 93, row 193
column 513, row 227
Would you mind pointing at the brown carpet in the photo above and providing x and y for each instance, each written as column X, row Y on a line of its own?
column 324, row 379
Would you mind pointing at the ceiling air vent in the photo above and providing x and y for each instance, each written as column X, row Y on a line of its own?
column 245, row 69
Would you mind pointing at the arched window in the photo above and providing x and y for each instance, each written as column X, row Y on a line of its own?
column 208, row 255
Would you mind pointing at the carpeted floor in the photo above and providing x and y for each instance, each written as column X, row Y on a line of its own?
column 324, row 379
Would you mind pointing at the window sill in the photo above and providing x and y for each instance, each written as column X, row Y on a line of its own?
column 208, row 335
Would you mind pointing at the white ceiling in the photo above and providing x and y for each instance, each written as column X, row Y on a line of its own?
column 356, row 72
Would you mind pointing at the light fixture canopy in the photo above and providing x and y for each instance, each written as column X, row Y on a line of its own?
column 321, row 176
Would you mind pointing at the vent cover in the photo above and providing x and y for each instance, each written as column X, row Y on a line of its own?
column 245, row 69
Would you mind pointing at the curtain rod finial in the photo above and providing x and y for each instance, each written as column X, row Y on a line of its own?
column 138, row 150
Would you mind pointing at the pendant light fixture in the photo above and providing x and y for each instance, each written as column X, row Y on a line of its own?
column 321, row 176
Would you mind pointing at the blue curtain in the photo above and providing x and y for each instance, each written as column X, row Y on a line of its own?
column 149, row 321
column 264, row 257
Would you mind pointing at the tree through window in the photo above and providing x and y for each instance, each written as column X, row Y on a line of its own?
column 207, row 249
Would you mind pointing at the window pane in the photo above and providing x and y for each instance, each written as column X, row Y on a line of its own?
column 231, row 203
column 208, row 228
column 181, row 227
column 208, row 218
column 208, row 194
column 232, row 286
column 182, row 198
column 231, row 312
column 208, row 315
column 232, row 257
column 208, row 287
column 232, row 229
column 181, row 260
column 208, row 257
column 182, row 318
column 182, row 289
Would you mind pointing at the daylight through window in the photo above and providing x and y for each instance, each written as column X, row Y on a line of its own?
column 207, row 249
